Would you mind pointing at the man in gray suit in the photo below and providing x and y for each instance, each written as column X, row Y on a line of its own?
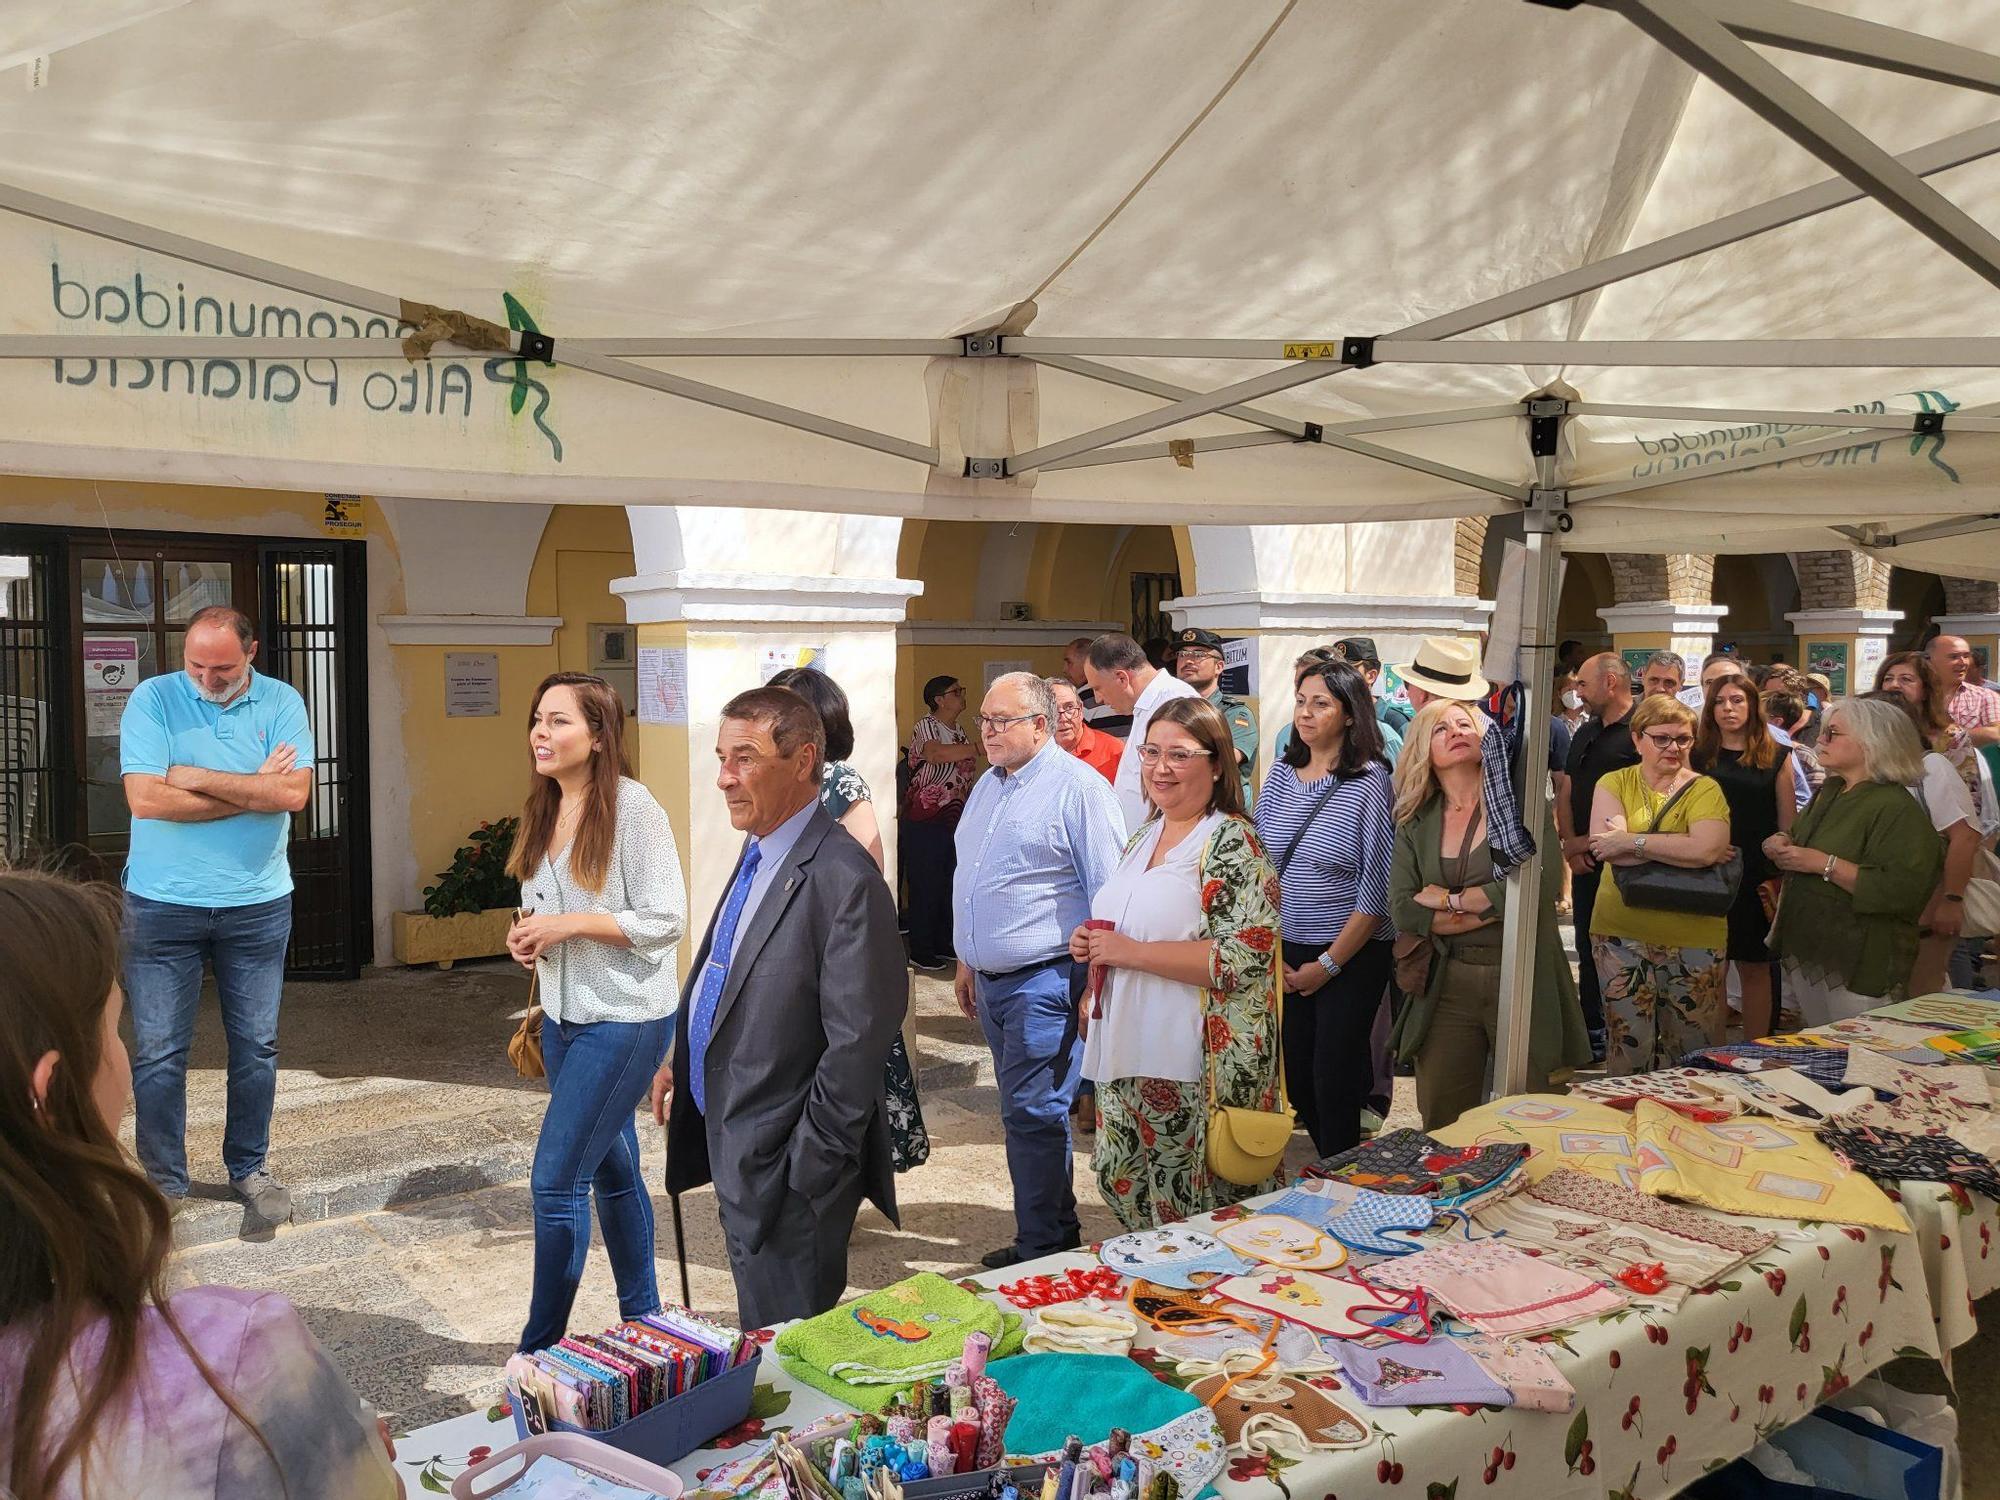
column 773, row 1088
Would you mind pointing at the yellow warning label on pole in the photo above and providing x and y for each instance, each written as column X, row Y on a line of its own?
column 1313, row 350
column 343, row 516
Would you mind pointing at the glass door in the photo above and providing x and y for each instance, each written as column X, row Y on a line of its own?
column 29, row 813
column 134, row 599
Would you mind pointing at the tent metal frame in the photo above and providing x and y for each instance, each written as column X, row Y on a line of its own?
column 1710, row 35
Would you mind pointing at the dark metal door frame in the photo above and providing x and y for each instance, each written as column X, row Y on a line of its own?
column 52, row 644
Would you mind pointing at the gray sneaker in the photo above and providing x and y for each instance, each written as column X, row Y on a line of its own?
column 269, row 1199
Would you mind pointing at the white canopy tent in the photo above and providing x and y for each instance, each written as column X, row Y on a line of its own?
column 1258, row 263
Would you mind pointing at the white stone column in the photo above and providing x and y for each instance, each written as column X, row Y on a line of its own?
column 1847, row 645
column 1688, row 630
column 714, row 630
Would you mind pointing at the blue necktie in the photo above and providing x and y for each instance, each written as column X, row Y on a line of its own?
column 702, row 1027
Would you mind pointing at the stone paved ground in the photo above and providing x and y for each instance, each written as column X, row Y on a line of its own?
column 408, row 1138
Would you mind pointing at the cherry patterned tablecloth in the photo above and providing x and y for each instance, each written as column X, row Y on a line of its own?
column 1661, row 1398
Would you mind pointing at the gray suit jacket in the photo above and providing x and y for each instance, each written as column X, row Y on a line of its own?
column 815, row 996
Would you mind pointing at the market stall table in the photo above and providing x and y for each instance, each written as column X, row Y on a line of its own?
column 1660, row 1398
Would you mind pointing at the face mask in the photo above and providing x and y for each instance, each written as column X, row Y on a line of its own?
column 1572, row 699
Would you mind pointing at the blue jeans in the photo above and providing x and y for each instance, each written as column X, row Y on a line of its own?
column 165, row 948
column 1030, row 1023
column 598, row 1074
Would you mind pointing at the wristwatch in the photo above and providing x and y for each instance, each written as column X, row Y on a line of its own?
column 1639, row 843
column 1326, row 962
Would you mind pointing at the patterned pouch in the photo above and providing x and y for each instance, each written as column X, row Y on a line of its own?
column 1437, row 1373
column 1408, row 1161
column 1173, row 1256
column 1684, row 1090
column 1889, row 1156
column 1524, row 1369
column 1364, row 1225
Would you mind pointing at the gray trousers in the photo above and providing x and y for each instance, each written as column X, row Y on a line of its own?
column 801, row 1270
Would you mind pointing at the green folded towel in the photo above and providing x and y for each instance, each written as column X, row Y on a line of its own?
column 864, row 1352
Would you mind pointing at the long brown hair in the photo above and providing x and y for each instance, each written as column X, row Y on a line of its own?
column 1933, row 723
column 1760, row 751
column 1206, row 727
column 84, row 1236
column 590, row 850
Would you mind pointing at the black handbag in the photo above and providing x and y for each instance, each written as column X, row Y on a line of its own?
column 1654, row 886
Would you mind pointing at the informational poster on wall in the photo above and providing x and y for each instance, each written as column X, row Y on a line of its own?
column 110, row 672
column 1829, row 659
column 1869, row 654
column 663, row 685
column 775, row 659
column 342, row 516
column 1636, row 658
column 998, row 669
column 471, row 685
column 1239, row 666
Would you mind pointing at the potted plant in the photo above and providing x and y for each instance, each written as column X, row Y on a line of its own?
column 468, row 911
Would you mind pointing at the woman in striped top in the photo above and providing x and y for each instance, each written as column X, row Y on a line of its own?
column 1325, row 816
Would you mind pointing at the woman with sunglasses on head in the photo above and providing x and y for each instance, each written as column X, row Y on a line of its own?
column 603, row 906
column 1861, row 864
column 1735, row 746
column 1443, row 890
column 1325, row 817
column 1660, row 971
column 108, row 1386
column 1187, row 1016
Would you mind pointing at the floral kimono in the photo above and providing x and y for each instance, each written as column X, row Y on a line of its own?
column 1152, row 1133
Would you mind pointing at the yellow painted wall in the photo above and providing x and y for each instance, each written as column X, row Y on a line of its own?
column 465, row 771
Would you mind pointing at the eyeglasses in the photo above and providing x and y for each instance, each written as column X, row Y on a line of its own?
column 1180, row 759
column 1069, row 710
column 1832, row 733
column 1670, row 741
column 1003, row 721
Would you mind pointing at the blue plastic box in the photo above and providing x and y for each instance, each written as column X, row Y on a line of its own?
column 674, row 1429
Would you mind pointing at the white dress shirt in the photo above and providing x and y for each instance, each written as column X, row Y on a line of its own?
column 1131, row 792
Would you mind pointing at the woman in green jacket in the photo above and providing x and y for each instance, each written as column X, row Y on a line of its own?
column 1860, row 864
column 1442, row 892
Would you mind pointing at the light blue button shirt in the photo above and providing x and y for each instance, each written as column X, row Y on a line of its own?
column 1034, row 845
column 772, row 849
column 233, row 861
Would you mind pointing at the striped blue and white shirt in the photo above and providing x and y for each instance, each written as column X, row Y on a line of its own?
column 1341, row 865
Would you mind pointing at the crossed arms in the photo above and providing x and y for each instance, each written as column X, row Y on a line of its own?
column 190, row 794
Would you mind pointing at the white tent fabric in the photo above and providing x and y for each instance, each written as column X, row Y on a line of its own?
column 817, row 169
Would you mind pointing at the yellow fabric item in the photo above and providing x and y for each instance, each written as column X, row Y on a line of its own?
column 1558, row 1130
column 1755, row 1166
column 1611, row 917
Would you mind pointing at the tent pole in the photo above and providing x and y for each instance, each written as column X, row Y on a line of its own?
column 1896, row 421
column 1865, row 354
column 1745, row 223
column 1819, row 33
column 1705, row 44
column 1521, row 937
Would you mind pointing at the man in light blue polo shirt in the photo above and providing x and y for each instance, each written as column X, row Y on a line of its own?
column 216, row 759
column 1041, row 832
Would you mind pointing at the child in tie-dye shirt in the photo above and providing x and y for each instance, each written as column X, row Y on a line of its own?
column 107, row 1386
column 171, row 1438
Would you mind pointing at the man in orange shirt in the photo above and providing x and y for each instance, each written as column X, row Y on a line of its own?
column 1100, row 750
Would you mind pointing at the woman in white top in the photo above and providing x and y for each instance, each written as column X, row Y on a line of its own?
column 1948, row 801
column 603, row 905
column 1187, row 1017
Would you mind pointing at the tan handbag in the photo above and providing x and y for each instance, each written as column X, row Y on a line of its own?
column 524, row 1047
column 1245, row 1146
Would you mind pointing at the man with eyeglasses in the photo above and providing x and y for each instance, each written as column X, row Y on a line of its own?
column 1040, row 833
column 1198, row 662
column 1095, row 749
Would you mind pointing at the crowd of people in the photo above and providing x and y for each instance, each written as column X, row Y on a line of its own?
column 1135, row 909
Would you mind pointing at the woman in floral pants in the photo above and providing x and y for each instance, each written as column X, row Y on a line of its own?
column 1187, row 1016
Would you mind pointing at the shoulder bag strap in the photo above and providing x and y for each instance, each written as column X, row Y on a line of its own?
column 1668, row 805
column 1284, row 860
column 1277, row 983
